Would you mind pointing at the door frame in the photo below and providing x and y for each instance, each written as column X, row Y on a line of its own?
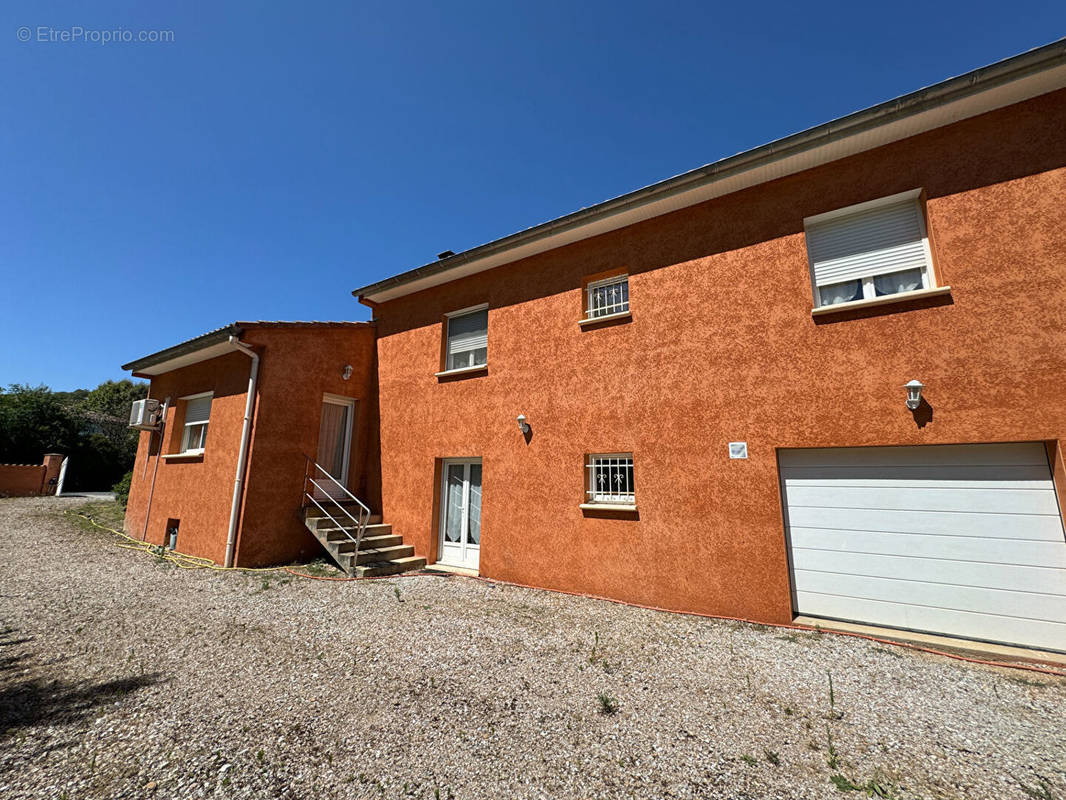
column 442, row 521
column 350, row 404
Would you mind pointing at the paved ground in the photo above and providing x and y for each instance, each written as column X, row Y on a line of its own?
column 123, row 676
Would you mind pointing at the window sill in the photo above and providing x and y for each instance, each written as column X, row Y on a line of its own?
column 901, row 297
column 622, row 315
column 191, row 456
column 607, row 507
column 455, row 373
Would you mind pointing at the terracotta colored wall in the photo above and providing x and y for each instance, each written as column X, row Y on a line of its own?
column 197, row 491
column 20, row 480
column 297, row 365
column 722, row 347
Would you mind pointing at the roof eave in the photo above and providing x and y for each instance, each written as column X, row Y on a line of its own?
column 149, row 365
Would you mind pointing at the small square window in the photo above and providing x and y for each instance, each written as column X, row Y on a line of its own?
column 467, row 339
column 610, row 479
column 607, row 297
column 197, row 416
column 869, row 251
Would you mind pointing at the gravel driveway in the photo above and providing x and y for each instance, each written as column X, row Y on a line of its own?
column 123, row 676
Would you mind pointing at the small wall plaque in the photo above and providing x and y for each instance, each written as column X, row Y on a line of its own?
column 738, row 449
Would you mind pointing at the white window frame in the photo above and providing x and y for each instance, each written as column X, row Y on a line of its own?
column 590, row 290
column 624, row 498
column 462, row 312
column 869, row 293
column 188, row 427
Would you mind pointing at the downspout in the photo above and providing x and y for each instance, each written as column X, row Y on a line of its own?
column 242, row 455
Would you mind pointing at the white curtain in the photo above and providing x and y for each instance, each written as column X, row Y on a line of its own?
column 840, row 292
column 906, row 281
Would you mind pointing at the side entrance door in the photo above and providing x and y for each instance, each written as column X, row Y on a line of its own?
column 334, row 444
column 460, row 524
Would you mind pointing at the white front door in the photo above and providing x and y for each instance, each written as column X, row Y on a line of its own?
column 334, row 444
column 460, row 524
column 959, row 539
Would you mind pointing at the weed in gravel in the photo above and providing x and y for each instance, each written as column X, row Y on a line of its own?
column 1040, row 792
column 260, row 756
column 396, row 591
column 747, row 758
column 608, row 705
column 833, row 713
column 788, row 711
column 834, row 759
column 872, row 787
column 772, row 757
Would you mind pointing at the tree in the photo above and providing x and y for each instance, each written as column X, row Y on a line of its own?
column 89, row 426
column 114, row 397
column 34, row 422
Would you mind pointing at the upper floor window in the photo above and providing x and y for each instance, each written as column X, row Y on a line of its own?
column 610, row 479
column 467, row 338
column 197, row 414
column 606, row 297
column 870, row 250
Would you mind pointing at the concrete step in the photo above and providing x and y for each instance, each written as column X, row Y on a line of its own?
column 385, row 554
column 394, row 567
column 370, row 543
column 335, row 534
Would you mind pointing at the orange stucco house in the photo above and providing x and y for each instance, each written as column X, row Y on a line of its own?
column 822, row 378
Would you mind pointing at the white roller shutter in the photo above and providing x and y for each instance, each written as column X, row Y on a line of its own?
column 878, row 241
column 198, row 410
column 963, row 540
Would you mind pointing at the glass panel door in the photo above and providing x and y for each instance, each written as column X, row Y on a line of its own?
column 334, row 441
column 460, row 525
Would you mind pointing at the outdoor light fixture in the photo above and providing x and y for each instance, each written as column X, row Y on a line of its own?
column 346, row 373
column 914, row 394
column 523, row 425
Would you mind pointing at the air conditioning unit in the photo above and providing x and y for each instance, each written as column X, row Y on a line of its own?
column 145, row 414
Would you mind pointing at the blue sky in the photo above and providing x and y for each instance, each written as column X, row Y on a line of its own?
column 273, row 157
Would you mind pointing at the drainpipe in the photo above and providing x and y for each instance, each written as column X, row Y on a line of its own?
column 242, row 455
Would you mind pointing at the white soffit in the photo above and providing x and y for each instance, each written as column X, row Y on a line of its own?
column 195, row 357
column 823, row 150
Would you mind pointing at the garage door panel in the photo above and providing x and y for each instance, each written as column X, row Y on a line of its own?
column 988, row 627
column 961, row 539
column 957, row 548
column 928, row 498
column 933, row 570
column 1020, row 476
column 1008, row 454
column 993, row 526
column 1025, row 605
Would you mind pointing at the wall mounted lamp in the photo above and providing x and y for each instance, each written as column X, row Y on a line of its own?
column 346, row 373
column 523, row 425
column 914, row 394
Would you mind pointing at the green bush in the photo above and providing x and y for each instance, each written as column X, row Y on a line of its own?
column 122, row 488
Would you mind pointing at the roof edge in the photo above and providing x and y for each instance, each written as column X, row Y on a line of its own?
column 1031, row 62
column 186, row 347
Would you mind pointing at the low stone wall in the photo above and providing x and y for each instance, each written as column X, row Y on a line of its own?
column 21, row 480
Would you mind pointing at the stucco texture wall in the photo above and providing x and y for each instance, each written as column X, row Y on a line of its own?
column 297, row 365
column 722, row 347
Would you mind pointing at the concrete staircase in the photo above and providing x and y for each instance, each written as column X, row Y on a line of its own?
column 381, row 552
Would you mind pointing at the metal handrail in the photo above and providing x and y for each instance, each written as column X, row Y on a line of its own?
column 359, row 524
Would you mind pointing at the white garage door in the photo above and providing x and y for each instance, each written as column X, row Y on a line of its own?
column 964, row 540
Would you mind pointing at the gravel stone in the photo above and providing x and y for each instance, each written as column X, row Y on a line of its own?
column 123, row 676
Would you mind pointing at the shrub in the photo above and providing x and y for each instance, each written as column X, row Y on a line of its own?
column 122, row 488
